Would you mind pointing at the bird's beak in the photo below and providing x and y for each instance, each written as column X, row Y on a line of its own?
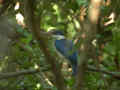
column 51, row 31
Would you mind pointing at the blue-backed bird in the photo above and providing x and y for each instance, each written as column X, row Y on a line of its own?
column 65, row 47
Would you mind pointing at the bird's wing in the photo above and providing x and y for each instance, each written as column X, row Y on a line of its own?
column 65, row 48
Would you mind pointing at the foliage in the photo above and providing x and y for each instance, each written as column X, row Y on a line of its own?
column 62, row 15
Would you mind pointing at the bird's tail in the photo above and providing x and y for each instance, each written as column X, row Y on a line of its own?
column 74, row 69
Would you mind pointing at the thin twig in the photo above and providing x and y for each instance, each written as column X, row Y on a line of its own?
column 18, row 73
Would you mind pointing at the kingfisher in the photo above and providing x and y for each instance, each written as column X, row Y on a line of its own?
column 65, row 48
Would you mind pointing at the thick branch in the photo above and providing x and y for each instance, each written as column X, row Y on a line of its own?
column 34, row 27
column 89, row 30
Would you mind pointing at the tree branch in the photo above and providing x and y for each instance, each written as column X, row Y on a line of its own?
column 34, row 27
column 19, row 73
column 87, row 50
column 115, row 75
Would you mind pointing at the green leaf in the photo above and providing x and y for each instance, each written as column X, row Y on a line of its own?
column 82, row 2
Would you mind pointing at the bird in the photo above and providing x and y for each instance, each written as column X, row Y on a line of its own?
column 65, row 47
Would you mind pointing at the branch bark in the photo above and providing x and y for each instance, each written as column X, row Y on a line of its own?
column 115, row 75
column 89, row 68
column 31, row 22
column 87, row 50
column 16, row 74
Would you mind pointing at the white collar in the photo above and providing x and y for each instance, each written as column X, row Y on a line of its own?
column 59, row 37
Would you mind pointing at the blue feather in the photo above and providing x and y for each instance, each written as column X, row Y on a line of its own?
column 65, row 47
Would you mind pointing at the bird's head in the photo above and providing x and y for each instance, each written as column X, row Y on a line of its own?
column 57, row 34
